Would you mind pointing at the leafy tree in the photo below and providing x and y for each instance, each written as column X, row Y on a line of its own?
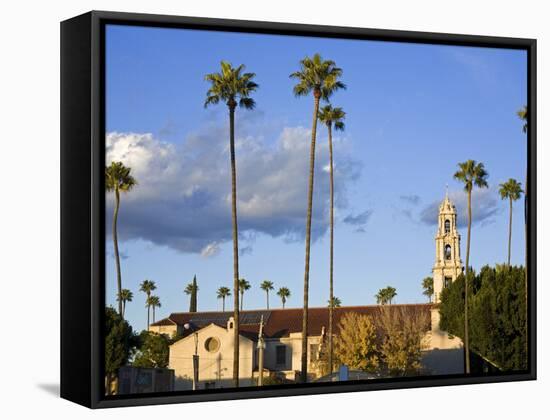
column 125, row 296
column 428, row 286
column 284, row 294
column 320, row 77
column 192, row 289
column 153, row 302
column 147, row 286
column 385, row 295
column 336, row 303
column 512, row 191
column 471, row 174
column 266, row 286
column 331, row 116
column 222, row 293
column 497, row 313
column 119, row 344
column 118, row 179
column 244, row 285
column 233, row 87
column 153, row 350
column 355, row 345
column 403, row 334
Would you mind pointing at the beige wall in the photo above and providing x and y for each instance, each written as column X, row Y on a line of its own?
column 213, row 366
column 163, row 329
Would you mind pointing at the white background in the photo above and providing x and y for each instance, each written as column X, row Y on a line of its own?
column 29, row 235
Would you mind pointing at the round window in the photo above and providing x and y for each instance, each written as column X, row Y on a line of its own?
column 212, row 344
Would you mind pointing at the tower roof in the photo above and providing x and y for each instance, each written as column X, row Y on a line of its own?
column 447, row 205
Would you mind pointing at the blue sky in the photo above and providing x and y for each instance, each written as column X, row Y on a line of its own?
column 413, row 112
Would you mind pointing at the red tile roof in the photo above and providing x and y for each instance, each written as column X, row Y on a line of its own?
column 281, row 322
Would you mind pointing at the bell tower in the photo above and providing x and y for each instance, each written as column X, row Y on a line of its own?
column 448, row 264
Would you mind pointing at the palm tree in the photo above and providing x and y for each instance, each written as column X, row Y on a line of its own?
column 284, row 294
column 428, row 286
column 510, row 190
column 471, row 174
column 336, row 303
column 243, row 286
column 223, row 292
column 233, row 87
column 329, row 116
column 153, row 302
column 523, row 114
column 147, row 286
column 118, row 179
column 319, row 77
column 385, row 295
column 191, row 289
column 125, row 296
column 266, row 286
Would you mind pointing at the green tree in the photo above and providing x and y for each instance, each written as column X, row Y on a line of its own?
column 523, row 114
column 428, row 286
column 147, row 286
column 355, row 345
column 471, row 174
column 266, row 286
column 336, row 303
column 497, row 314
column 119, row 344
column 331, row 116
column 233, row 87
column 222, row 293
column 153, row 350
column 244, row 285
column 118, row 179
column 153, row 302
column 284, row 294
column 125, row 296
column 320, row 77
column 510, row 190
column 192, row 290
column 385, row 295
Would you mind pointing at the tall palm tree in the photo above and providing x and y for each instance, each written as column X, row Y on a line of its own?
column 125, row 296
column 331, row 116
column 147, row 286
column 266, row 286
column 118, row 179
column 222, row 293
column 523, row 114
column 336, row 303
column 510, row 190
column 233, row 87
column 471, row 174
column 428, row 286
column 319, row 77
column 284, row 294
column 153, row 302
column 385, row 295
column 244, row 285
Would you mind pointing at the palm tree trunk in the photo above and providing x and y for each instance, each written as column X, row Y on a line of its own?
column 242, row 299
column 223, row 304
column 466, row 338
column 526, row 263
column 267, row 297
column 123, row 308
column 510, row 234
column 316, row 97
column 235, row 244
column 115, row 245
column 148, row 316
column 331, row 289
column 153, row 314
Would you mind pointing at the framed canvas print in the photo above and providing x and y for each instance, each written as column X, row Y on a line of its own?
column 255, row 209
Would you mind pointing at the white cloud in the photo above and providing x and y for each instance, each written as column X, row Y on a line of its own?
column 183, row 196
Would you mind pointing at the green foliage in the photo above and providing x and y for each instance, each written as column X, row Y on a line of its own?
column 329, row 116
column 336, row 302
column 428, row 286
column 496, row 314
column 284, row 294
column 153, row 350
column 118, row 178
column 317, row 75
column 386, row 295
column 231, row 86
column 119, row 341
column 192, row 290
column 356, row 343
column 472, row 173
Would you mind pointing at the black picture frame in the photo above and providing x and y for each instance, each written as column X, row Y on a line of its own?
column 83, row 203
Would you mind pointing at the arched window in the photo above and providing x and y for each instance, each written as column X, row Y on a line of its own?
column 447, row 226
column 447, row 252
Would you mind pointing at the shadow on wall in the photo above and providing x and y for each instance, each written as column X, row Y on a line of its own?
column 184, row 383
column 444, row 361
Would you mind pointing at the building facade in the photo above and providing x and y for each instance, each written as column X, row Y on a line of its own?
column 448, row 265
